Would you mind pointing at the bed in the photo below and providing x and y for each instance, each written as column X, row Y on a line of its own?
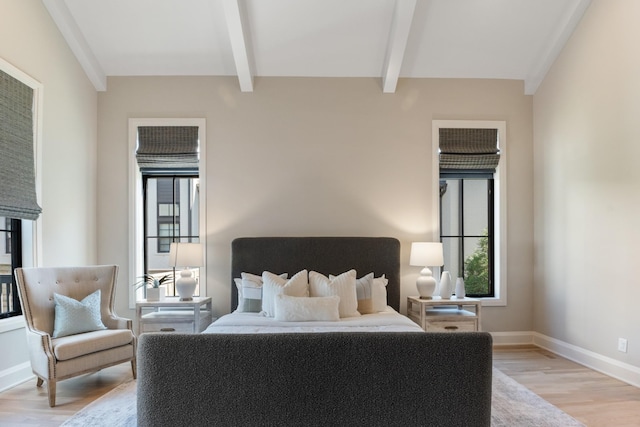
column 377, row 259
column 372, row 369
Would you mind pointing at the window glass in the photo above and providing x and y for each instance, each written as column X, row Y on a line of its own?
column 10, row 259
column 466, row 209
column 171, row 211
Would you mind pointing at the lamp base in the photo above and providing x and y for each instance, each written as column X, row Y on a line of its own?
column 426, row 284
column 186, row 285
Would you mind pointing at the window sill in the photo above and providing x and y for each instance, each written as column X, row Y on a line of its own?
column 494, row 302
column 11, row 323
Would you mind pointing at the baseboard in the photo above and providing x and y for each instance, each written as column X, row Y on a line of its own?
column 15, row 375
column 512, row 338
column 614, row 368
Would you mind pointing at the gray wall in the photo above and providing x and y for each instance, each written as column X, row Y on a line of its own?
column 30, row 41
column 318, row 156
column 587, row 183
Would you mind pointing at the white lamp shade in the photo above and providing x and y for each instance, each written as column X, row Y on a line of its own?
column 185, row 255
column 425, row 254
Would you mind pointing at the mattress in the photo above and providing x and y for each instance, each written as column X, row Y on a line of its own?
column 255, row 323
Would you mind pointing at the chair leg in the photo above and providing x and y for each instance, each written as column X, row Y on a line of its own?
column 134, row 369
column 39, row 382
column 51, row 389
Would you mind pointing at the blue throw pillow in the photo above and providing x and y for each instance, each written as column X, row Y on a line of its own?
column 74, row 317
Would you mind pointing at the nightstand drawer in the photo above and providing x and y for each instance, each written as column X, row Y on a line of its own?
column 451, row 326
column 183, row 328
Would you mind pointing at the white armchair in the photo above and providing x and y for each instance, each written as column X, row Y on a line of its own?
column 55, row 359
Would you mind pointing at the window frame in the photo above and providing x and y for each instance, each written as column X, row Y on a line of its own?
column 136, row 198
column 500, row 199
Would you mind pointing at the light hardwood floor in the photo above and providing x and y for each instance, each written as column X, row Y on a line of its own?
column 593, row 398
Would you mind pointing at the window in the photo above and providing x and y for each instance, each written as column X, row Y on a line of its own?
column 171, row 215
column 167, row 181
column 469, row 191
column 10, row 259
column 466, row 230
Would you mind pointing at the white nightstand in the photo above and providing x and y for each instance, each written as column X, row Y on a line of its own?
column 445, row 315
column 173, row 315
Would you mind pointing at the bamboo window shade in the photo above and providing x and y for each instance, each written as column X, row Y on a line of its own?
column 17, row 171
column 168, row 147
column 464, row 148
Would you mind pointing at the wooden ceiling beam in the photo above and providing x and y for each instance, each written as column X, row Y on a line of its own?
column 76, row 41
column 238, row 34
column 397, row 43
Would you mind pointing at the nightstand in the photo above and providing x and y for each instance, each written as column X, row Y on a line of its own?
column 173, row 315
column 445, row 315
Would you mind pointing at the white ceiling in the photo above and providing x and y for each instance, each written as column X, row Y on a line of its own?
column 389, row 39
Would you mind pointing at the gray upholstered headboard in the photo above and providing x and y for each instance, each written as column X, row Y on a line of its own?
column 327, row 255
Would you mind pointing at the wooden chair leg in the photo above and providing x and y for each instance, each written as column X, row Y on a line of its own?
column 134, row 369
column 39, row 382
column 51, row 390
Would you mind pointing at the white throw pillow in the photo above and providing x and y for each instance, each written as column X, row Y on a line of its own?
column 250, row 292
column 300, row 309
column 379, row 293
column 343, row 286
column 297, row 286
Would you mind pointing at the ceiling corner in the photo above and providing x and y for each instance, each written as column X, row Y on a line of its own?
column 556, row 43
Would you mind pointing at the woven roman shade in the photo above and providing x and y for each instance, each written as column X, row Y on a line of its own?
column 462, row 148
column 17, row 173
column 167, row 147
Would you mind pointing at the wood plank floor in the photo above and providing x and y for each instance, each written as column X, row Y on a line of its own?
column 593, row 398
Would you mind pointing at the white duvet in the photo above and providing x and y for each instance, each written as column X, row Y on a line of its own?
column 255, row 323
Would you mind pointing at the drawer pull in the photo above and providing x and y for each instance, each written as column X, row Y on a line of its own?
column 172, row 329
column 451, row 328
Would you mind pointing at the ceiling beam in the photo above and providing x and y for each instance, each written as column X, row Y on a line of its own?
column 398, row 36
column 236, row 24
column 71, row 32
column 554, row 45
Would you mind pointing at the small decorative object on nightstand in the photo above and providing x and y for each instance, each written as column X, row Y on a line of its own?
column 185, row 255
column 446, row 287
column 460, row 290
column 426, row 254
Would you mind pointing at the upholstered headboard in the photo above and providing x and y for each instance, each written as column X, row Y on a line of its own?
column 327, row 255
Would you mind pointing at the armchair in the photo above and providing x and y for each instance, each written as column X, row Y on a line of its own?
column 55, row 359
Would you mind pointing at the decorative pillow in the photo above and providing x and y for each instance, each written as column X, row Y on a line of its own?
column 250, row 292
column 298, row 309
column 343, row 286
column 379, row 293
column 364, row 292
column 74, row 317
column 297, row 286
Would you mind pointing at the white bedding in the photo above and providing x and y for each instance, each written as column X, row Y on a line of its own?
column 255, row 323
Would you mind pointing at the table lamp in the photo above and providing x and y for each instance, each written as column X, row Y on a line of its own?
column 185, row 255
column 426, row 254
